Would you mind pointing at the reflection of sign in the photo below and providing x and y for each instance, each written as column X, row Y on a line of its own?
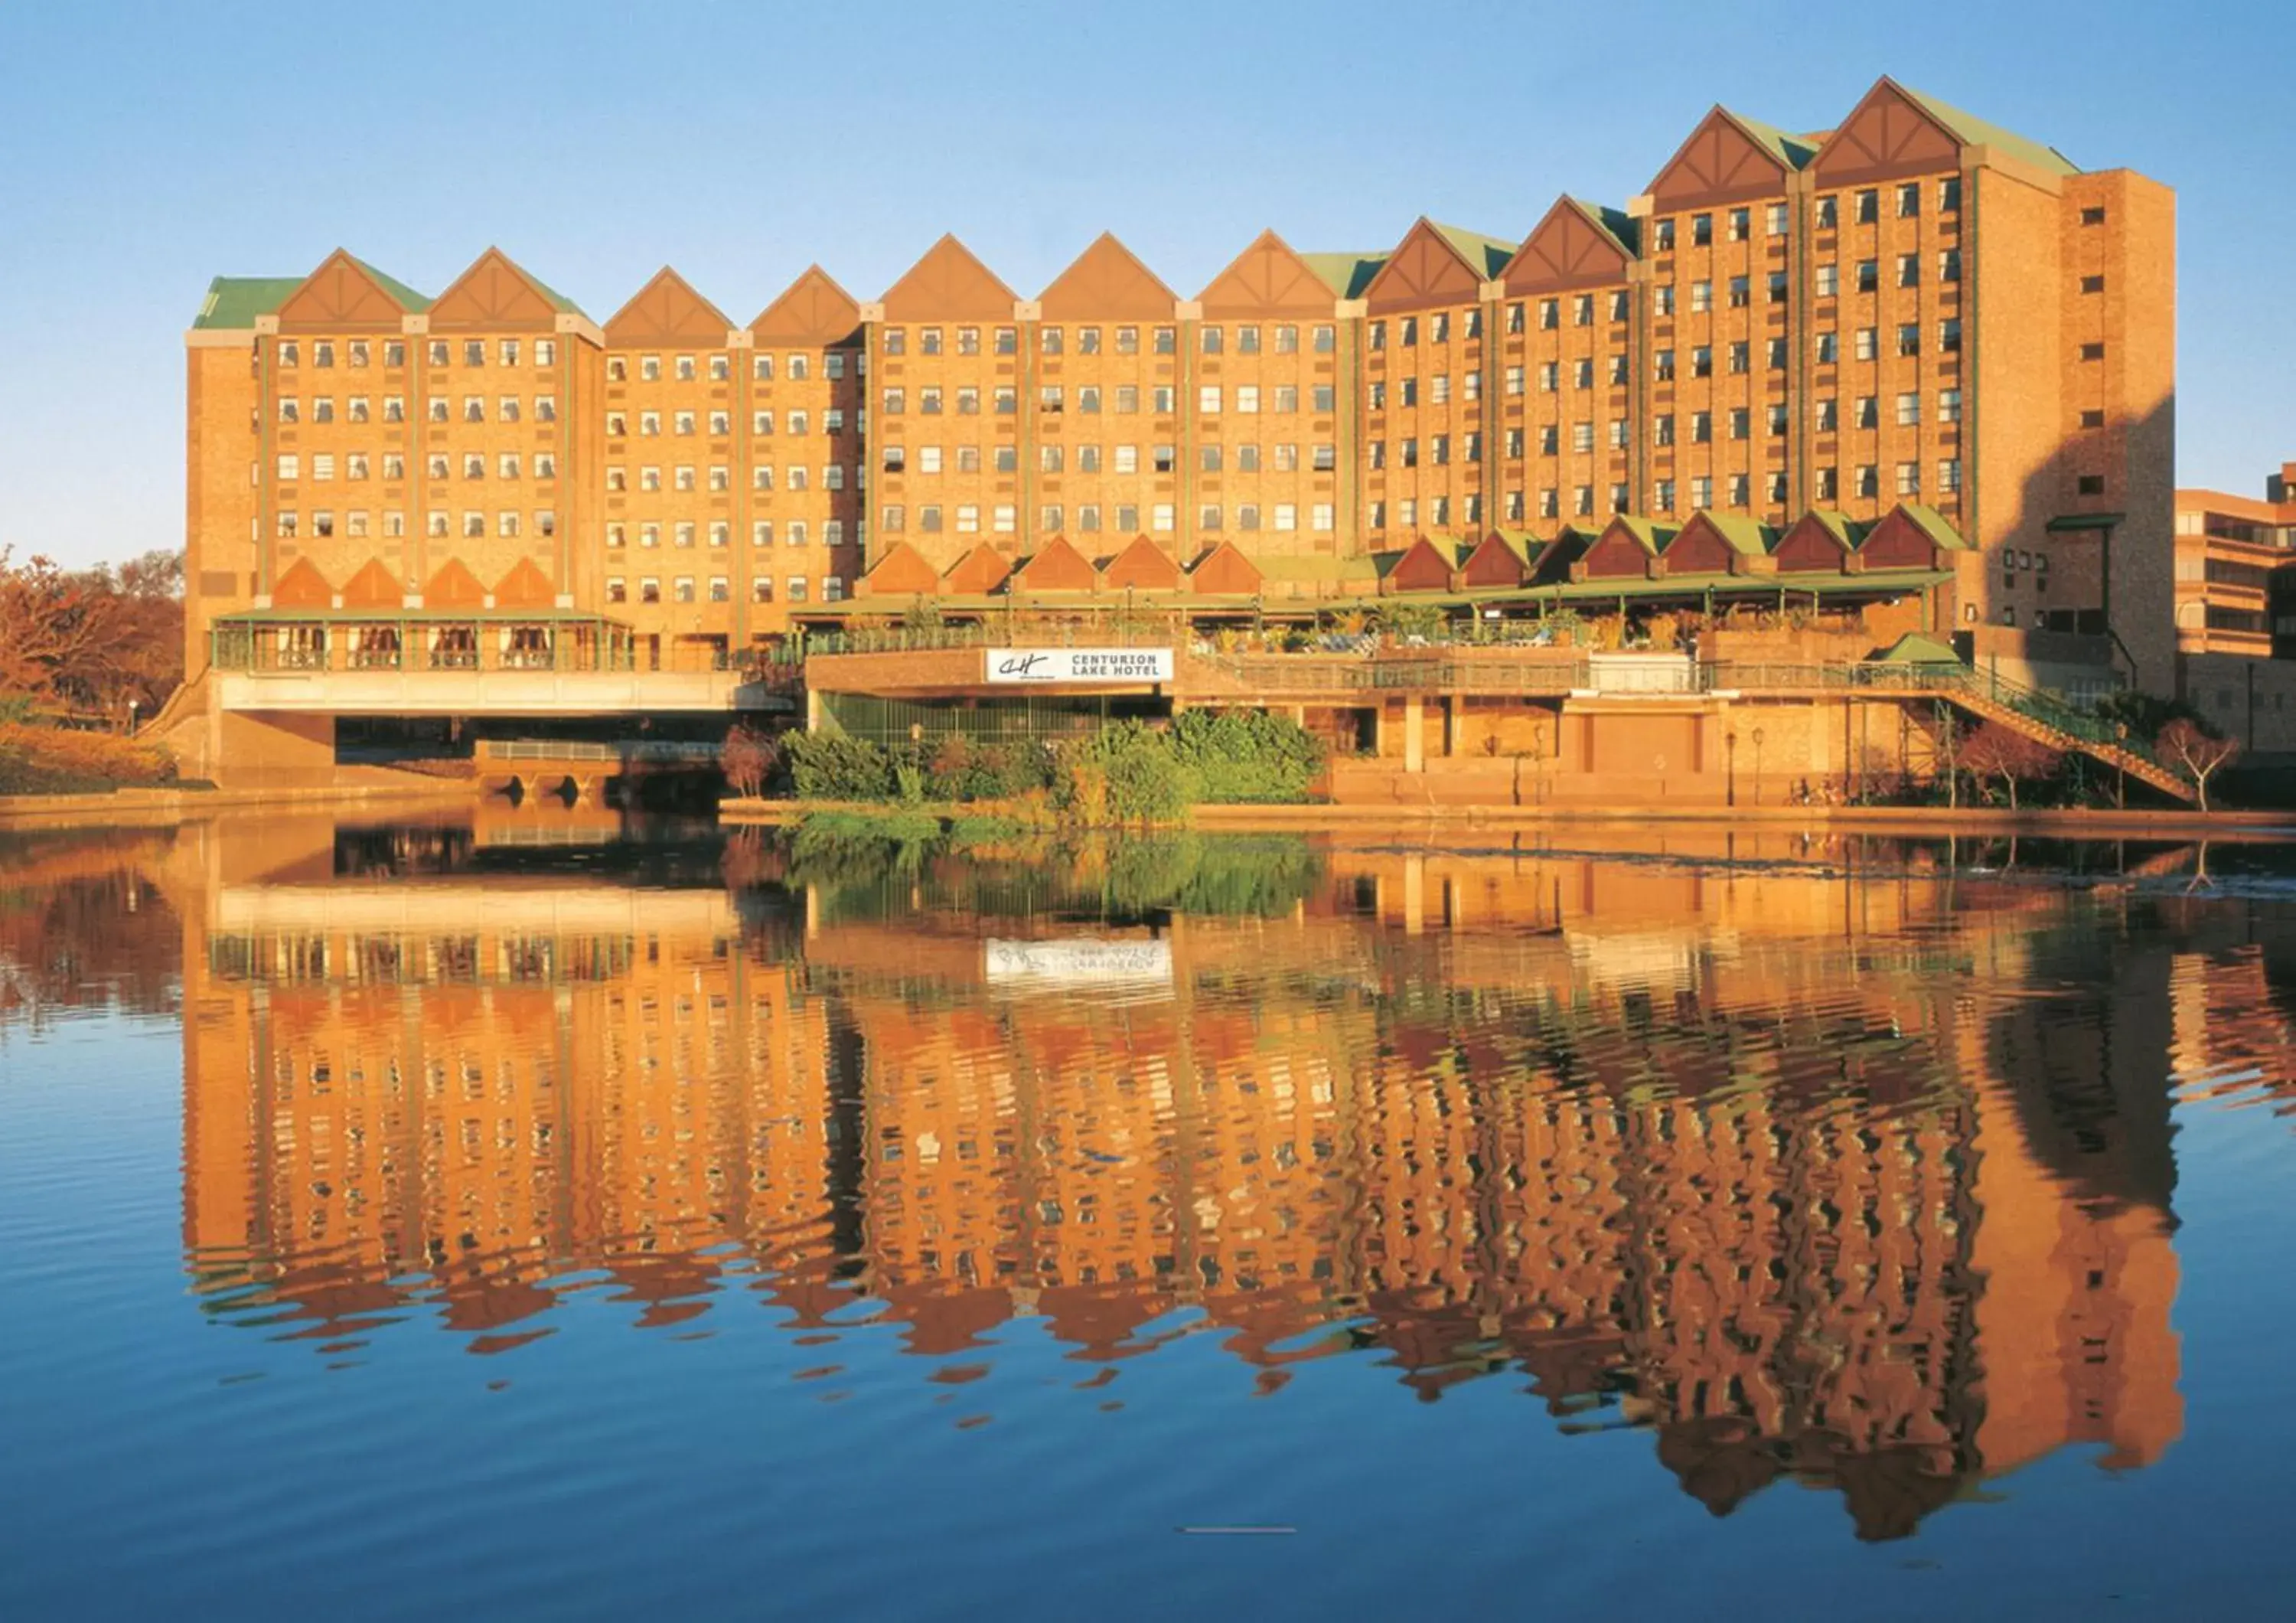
column 1099, row 962
column 1079, row 664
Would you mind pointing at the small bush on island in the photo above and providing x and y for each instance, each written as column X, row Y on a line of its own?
column 54, row 760
column 837, row 766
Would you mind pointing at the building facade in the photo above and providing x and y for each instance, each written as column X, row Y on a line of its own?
column 2236, row 611
column 1785, row 333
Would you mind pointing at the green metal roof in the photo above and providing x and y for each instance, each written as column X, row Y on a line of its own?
column 1933, row 524
column 1914, row 649
column 1975, row 131
column 233, row 303
column 1615, row 224
column 1487, row 254
column 1649, row 532
column 1347, row 275
column 1841, row 526
column 1794, row 152
column 1748, row 537
column 407, row 298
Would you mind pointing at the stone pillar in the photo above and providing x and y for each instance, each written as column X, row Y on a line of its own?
column 1415, row 889
column 1414, row 734
column 812, row 710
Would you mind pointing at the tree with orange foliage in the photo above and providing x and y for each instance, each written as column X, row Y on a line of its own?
column 2194, row 754
column 747, row 758
column 1996, row 751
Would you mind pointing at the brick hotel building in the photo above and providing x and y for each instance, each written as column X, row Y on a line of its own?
column 1915, row 327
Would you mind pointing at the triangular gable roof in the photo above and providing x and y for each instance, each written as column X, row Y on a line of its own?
column 1107, row 281
column 948, row 283
column 1725, row 160
column 302, row 586
column 813, row 310
column 495, row 294
column 1347, row 275
column 1056, row 567
column 1894, row 132
column 902, row 573
column 1144, row 566
column 1502, row 558
column 1626, row 546
column 1819, row 539
column 374, row 586
column 524, row 586
column 1225, row 571
column 1553, row 564
column 667, row 310
column 453, row 586
column 1433, row 266
column 345, row 294
column 1908, row 537
column 1710, row 542
column 1266, row 279
column 977, row 573
column 1423, row 567
column 1574, row 245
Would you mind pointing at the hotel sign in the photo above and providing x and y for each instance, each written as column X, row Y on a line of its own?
column 1053, row 667
column 1075, row 961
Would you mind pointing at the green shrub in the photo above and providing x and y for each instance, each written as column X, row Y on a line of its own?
column 837, row 766
column 1245, row 756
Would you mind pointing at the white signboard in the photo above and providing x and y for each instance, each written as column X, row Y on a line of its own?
column 1097, row 962
column 1053, row 666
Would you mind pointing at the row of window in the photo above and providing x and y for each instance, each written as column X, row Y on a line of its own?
column 439, row 466
column 1210, row 398
column 1053, row 518
column 1117, row 458
column 360, row 351
column 506, row 523
column 796, row 476
column 721, row 423
column 685, row 368
column 1865, row 209
column 720, row 589
column 1865, row 482
column 795, row 532
column 360, row 408
column 1211, row 339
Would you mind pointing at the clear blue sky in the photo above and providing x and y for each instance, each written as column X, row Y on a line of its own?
column 146, row 148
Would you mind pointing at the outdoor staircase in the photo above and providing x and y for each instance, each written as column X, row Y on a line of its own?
column 2050, row 721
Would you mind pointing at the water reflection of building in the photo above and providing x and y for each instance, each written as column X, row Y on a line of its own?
column 1812, row 1180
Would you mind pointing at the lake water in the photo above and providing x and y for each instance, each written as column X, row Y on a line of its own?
column 540, row 1216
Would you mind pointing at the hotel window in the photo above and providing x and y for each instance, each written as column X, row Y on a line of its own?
column 1319, row 517
column 1828, row 416
column 1702, row 491
column 394, row 408
column 761, row 588
column 797, row 477
column 1739, row 358
column 721, row 424
column 1087, row 341
column 649, row 535
column 291, row 467
column 357, row 407
column 1662, row 364
column 1514, row 506
column 1407, row 331
column 394, row 466
column 1909, row 200
column 1208, row 515
column 1582, row 436
column 394, row 352
column 1829, row 484
column 1410, row 452
column 2090, row 485
column 394, row 525
column 1514, row 380
column 1128, row 518
column 1008, row 459
column 1701, row 297
column 1440, row 386
column 474, row 352
column 1051, row 398
column 475, row 525
column 1777, row 418
column 1949, row 194
column 1620, row 499
column 721, row 533
column 968, row 519
column 1406, row 512
column 1619, row 367
column 1377, row 452
column 289, row 409
column 1662, row 296
column 436, row 525
column 1776, row 357
column 1702, row 428
column 796, row 534
column 1582, row 374
column 832, row 364
column 506, row 408
column 1323, row 398
column 1948, row 406
column 474, row 465
column 1089, row 516
column 1741, row 491
column 1701, row 361
column 1869, row 480
column 1662, row 429
column 1209, row 338
column 1008, row 341
column 1909, row 339
column 761, row 367
column 1247, row 459
column 1665, row 235
column 1166, row 341
column 1582, row 310
column 796, row 368
column 1326, row 339
column 682, row 476
column 1088, row 398
column 1949, row 476
column 1829, row 349
column 1208, row 399
column 682, row 421
column 1127, row 459
column 720, row 589
column 1087, row 460
column 1909, row 270
column 1007, row 400
column 1777, row 287
column 833, row 588
column 437, row 465
column 1701, row 230
column 681, row 588
column 1867, row 343
column 618, row 590
column 721, row 367
column 649, row 422
column 1742, row 293
column 1049, row 458
column 1909, row 478
column 1909, row 411
column 1160, row 518
column 1439, row 328
column 1742, row 424
column 1868, row 412
column 1048, row 519
column 1326, row 458
column 1949, row 335
column 618, row 537
column 2092, row 351
column 506, row 524
column 618, row 369
column 1949, row 265
column 893, row 518
column 1774, row 223
column 683, row 533
column 438, row 352
column 1549, row 439
column 1869, row 275
column 507, row 465
column 1620, row 432
column 1869, row 207
column 1742, row 224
